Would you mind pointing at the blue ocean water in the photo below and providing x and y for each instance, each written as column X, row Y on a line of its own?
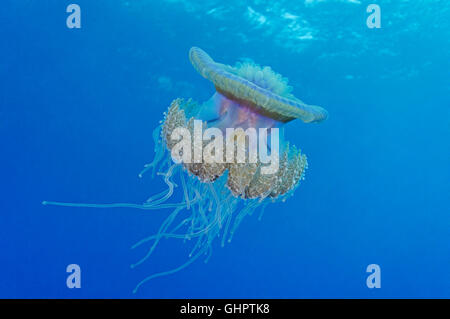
column 78, row 107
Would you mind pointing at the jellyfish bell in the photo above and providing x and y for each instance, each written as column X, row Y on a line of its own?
column 218, row 194
column 260, row 89
column 247, row 96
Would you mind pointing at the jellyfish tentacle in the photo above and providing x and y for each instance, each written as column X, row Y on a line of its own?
column 183, row 183
column 218, row 208
column 145, row 206
column 167, row 222
column 263, row 208
column 170, row 184
column 153, row 198
column 159, row 153
column 114, row 205
column 227, row 226
column 169, row 272
column 197, row 245
column 163, row 227
column 247, row 210
column 208, row 253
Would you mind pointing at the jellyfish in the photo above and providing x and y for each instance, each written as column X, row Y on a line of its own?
column 216, row 195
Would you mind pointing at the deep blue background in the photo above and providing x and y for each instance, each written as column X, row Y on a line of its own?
column 77, row 108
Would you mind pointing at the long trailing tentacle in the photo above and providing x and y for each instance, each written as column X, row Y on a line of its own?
column 145, row 206
column 162, row 229
column 172, row 271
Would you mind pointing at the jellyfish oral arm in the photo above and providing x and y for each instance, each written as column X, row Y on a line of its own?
column 239, row 146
